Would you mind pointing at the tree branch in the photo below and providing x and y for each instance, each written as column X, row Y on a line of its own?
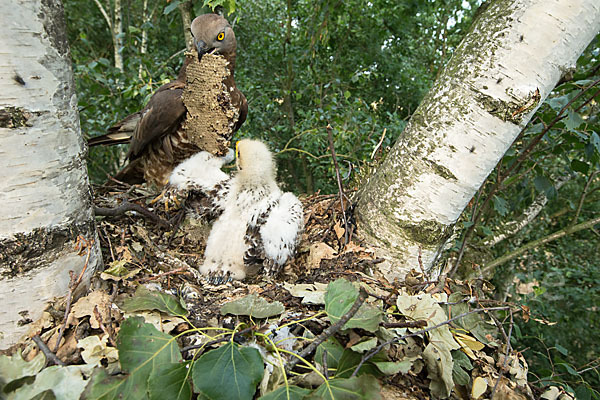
column 546, row 239
column 582, row 198
column 362, row 296
column 104, row 14
column 513, row 227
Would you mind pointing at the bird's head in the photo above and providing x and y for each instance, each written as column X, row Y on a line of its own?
column 212, row 34
column 254, row 161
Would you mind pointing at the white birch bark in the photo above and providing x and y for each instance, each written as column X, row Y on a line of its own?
column 514, row 54
column 118, row 35
column 116, row 30
column 185, row 9
column 44, row 190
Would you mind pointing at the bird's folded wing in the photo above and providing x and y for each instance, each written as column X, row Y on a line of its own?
column 161, row 116
column 282, row 229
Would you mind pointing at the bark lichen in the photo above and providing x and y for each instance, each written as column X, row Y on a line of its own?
column 14, row 117
column 24, row 252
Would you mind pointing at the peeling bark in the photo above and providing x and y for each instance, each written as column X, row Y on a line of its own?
column 513, row 56
column 44, row 193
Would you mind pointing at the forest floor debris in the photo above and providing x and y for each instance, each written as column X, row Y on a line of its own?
column 414, row 339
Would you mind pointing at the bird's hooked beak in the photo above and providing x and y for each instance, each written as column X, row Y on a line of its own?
column 202, row 48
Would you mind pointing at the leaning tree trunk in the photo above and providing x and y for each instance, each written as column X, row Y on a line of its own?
column 44, row 193
column 513, row 56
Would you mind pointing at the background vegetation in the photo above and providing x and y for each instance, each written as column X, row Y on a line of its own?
column 363, row 67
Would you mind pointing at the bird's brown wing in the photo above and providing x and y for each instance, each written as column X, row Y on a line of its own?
column 243, row 113
column 161, row 116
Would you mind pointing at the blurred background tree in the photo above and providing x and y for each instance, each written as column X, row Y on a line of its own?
column 363, row 67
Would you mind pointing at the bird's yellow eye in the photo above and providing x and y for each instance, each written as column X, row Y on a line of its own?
column 220, row 36
column 237, row 150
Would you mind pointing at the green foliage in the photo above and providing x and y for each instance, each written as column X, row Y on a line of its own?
column 254, row 306
column 144, row 352
column 229, row 372
column 359, row 387
column 340, row 297
column 146, row 299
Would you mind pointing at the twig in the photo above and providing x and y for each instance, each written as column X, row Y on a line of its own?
column 582, row 197
column 376, row 350
column 180, row 270
column 539, row 242
column 108, row 332
column 339, row 182
column 406, row 324
column 506, row 353
column 378, row 144
column 50, row 356
column 362, row 296
column 110, row 247
column 127, row 206
column 74, row 283
column 420, row 260
column 217, row 341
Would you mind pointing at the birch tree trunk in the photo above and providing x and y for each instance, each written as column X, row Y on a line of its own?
column 116, row 30
column 185, row 9
column 513, row 56
column 118, row 35
column 44, row 188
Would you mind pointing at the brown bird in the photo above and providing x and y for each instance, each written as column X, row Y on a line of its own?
column 157, row 139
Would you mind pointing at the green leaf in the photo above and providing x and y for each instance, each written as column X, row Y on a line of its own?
column 393, row 367
column 583, row 393
column 595, row 141
column 558, row 102
column 462, row 364
column 580, row 166
column 340, row 297
column 542, row 184
column 65, row 383
column 172, row 6
column 500, row 205
column 254, row 306
column 142, row 350
column 573, row 120
column 360, row 387
column 334, row 352
column 286, row 393
column 229, row 372
column 145, row 299
column 350, row 360
column 365, row 344
column 170, row 381
column 561, row 349
column 440, row 365
column 14, row 367
column 347, row 94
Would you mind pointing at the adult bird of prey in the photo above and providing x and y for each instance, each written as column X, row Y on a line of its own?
column 157, row 137
column 256, row 222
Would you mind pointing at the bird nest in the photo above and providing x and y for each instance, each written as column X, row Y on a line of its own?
column 151, row 254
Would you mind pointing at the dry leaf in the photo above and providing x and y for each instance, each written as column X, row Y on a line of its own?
column 339, row 231
column 85, row 306
column 317, row 252
column 480, row 386
column 468, row 344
